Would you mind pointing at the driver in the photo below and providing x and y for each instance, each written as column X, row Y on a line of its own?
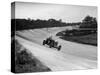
column 50, row 40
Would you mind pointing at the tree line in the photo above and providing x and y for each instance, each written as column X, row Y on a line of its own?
column 89, row 23
column 23, row 24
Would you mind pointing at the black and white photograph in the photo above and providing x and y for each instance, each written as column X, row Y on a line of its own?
column 48, row 37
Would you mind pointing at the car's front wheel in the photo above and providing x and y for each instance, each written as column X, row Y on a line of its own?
column 59, row 48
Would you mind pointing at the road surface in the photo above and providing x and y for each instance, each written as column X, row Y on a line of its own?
column 73, row 56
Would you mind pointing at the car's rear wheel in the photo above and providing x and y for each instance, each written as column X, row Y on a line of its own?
column 50, row 45
column 44, row 42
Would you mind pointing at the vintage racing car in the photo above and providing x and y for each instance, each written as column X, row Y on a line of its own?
column 52, row 43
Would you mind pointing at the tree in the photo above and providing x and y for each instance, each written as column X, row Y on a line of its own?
column 89, row 22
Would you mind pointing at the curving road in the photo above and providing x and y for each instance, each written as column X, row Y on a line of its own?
column 72, row 56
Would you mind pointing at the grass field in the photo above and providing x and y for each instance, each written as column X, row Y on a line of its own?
column 90, row 39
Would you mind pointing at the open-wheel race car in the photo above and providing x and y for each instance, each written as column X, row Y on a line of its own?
column 52, row 43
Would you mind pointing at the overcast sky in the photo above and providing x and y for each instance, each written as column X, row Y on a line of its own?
column 68, row 13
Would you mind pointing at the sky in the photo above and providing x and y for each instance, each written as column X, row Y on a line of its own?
column 68, row 13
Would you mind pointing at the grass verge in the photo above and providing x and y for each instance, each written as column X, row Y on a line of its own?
column 25, row 62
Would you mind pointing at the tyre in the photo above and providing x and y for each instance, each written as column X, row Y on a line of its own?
column 43, row 42
column 59, row 48
column 50, row 46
